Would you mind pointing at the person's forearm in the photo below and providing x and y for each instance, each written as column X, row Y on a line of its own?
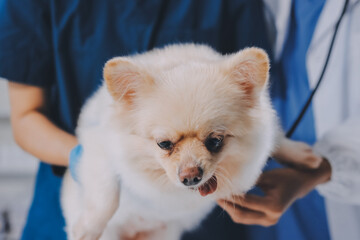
column 36, row 134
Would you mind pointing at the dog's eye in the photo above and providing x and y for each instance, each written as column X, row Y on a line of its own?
column 166, row 145
column 214, row 144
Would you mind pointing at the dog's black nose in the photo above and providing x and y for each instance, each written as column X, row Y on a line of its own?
column 191, row 176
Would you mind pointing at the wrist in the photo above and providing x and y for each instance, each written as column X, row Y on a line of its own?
column 313, row 177
column 70, row 145
column 324, row 171
column 74, row 159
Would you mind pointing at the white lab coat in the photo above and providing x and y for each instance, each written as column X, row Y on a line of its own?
column 336, row 105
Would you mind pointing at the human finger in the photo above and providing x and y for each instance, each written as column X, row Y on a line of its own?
column 242, row 215
column 252, row 202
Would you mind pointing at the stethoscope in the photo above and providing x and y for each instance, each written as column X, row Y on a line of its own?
column 312, row 94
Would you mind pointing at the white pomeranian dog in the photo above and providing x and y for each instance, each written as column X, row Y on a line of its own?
column 169, row 132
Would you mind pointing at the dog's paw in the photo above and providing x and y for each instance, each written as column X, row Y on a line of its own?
column 83, row 231
column 297, row 154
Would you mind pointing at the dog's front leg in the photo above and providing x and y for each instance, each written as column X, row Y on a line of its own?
column 99, row 194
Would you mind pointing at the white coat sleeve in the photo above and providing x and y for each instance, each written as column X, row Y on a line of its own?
column 341, row 147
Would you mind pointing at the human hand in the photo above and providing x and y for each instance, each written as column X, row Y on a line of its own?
column 296, row 154
column 74, row 159
column 281, row 187
column 33, row 129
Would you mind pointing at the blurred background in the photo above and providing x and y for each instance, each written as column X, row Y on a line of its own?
column 17, row 175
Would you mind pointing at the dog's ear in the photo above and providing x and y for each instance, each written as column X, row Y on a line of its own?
column 124, row 79
column 249, row 68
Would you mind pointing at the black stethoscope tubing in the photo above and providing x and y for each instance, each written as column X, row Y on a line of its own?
column 307, row 104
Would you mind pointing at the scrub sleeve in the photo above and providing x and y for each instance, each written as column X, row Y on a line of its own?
column 25, row 44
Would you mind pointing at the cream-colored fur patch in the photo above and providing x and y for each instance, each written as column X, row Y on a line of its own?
column 181, row 110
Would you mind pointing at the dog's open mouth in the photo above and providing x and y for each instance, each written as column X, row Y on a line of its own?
column 208, row 187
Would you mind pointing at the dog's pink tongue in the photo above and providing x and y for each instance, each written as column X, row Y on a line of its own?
column 208, row 187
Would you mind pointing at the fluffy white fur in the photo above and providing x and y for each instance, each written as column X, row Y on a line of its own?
column 181, row 93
